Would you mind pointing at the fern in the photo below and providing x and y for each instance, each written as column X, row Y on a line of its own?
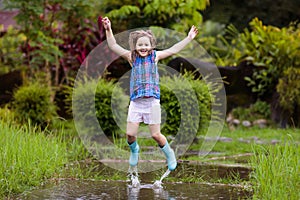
column 124, row 11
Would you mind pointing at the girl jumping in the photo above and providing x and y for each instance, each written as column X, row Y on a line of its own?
column 144, row 86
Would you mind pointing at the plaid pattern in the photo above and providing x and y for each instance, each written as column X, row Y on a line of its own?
column 144, row 80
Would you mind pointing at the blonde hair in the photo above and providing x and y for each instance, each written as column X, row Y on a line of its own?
column 135, row 35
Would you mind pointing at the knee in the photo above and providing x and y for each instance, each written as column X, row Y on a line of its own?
column 156, row 136
column 130, row 138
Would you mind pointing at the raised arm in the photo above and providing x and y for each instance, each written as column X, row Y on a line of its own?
column 111, row 41
column 178, row 46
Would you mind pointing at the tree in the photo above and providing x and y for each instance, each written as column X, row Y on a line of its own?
column 58, row 34
column 175, row 14
column 240, row 13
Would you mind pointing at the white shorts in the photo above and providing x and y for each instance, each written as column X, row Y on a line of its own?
column 145, row 110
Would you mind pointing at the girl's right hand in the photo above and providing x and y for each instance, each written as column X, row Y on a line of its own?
column 106, row 23
column 193, row 32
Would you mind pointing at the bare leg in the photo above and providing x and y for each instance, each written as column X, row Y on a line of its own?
column 164, row 145
column 160, row 139
column 156, row 134
column 130, row 139
column 131, row 132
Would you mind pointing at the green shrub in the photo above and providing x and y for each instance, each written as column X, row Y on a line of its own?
column 258, row 110
column 270, row 49
column 111, row 106
column 94, row 102
column 205, row 98
column 289, row 89
column 11, row 58
column 177, row 93
column 187, row 104
column 32, row 102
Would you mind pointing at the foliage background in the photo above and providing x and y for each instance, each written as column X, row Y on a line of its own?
column 55, row 36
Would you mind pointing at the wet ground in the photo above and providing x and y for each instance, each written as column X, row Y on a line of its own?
column 206, row 176
column 87, row 189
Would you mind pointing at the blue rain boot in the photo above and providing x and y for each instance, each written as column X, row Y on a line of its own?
column 134, row 154
column 170, row 155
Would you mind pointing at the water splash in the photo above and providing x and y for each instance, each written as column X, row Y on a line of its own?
column 134, row 176
column 158, row 183
column 135, row 181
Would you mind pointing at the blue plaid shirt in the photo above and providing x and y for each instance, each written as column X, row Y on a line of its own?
column 144, row 80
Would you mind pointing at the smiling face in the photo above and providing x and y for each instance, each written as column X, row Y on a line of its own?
column 143, row 46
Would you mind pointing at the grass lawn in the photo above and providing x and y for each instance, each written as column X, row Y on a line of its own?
column 28, row 157
column 31, row 157
column 241, row 141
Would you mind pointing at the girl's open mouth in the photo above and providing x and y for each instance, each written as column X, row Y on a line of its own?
column 143, row 51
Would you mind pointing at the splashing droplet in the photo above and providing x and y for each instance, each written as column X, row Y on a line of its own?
column 135, row 182
column 134, row 177
column 158, row 183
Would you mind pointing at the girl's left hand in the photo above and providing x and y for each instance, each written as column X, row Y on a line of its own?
column 106, row 23
column 193, row 32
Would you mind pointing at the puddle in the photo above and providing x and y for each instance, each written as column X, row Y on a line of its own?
column 210, row 171
column 87, row 189
column 204, row 172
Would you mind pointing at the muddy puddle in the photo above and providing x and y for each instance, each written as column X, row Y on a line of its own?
column 206, row 176
column 86, row 189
